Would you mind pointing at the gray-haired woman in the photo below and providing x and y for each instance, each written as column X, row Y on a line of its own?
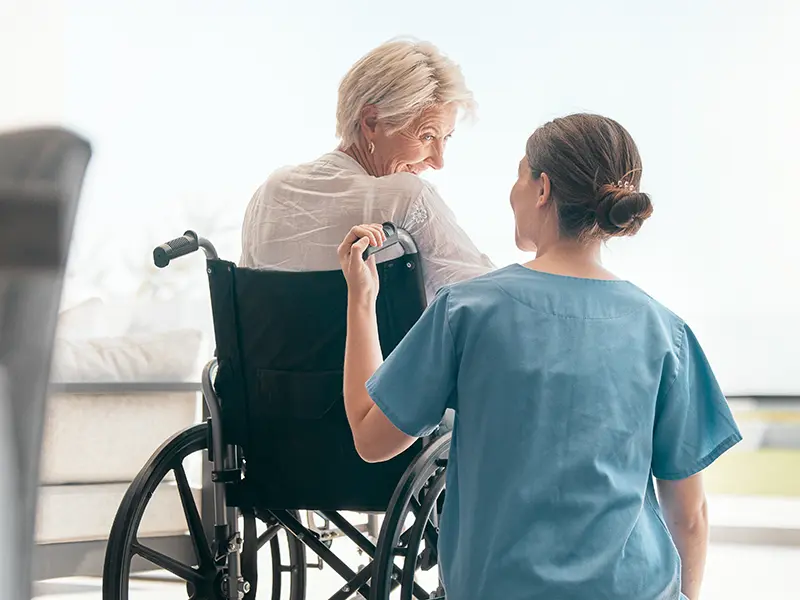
column 398, row 106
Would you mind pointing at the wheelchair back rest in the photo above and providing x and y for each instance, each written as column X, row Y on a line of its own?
column 280, row 350
column 281, row 335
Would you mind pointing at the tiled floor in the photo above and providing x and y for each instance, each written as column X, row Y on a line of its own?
column 732, row 573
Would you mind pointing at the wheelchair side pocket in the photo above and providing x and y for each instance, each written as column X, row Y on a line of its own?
column 300, row 396
column 301, row 453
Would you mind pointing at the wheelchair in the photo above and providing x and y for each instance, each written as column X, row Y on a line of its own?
column 280, row 451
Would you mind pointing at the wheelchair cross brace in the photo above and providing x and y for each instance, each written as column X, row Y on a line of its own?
column 228, row 538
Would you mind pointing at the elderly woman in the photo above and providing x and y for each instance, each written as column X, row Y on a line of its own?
column 398, row 106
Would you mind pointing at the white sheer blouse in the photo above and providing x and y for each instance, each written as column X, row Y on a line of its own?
column 299, row 216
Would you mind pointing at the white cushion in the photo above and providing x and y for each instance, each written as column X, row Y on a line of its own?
column 167, row 356
column 97, row 438
column 94, row 318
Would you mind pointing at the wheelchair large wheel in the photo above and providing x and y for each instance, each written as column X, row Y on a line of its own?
column 203, row 572
column 418, row 498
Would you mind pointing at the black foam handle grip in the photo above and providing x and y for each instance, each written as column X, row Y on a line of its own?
column 186, row 244
column 391, row 239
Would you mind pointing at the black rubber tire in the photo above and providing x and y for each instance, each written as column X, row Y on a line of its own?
column 418, row 531
column 426, row 468
column 204, row 574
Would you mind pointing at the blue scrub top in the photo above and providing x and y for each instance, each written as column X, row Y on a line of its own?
column 570, row 395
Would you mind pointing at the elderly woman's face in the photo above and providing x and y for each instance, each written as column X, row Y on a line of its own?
column 418, row 147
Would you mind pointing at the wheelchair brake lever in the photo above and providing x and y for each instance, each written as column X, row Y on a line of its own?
column 391, row 239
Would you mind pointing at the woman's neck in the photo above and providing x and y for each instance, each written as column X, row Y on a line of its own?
column 362, row 157
column 569, row 257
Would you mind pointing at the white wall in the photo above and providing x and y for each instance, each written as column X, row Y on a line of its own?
column 191, row 104
column 31, row 62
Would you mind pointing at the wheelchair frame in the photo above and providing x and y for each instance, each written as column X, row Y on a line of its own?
column 418, row 492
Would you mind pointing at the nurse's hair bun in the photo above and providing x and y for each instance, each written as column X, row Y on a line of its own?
column 622, row 209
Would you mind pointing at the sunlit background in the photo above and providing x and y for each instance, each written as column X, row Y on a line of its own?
column 190, row 104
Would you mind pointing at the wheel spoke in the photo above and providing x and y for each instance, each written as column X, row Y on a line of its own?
column 431, row 534
column 202, row 549
column 167, row 563
column 267, row 536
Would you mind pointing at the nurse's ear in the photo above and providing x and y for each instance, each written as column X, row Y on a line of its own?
column 543, row 197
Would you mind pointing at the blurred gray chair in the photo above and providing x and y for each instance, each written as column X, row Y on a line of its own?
column 41, row 175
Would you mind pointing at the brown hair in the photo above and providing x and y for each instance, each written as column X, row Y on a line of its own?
column 594, row 169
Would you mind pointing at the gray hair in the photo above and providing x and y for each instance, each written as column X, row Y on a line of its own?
column 401, row 78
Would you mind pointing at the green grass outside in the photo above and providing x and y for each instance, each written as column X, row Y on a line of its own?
column 767, row 472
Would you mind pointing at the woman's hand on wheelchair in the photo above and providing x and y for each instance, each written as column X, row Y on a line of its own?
column 361, row 275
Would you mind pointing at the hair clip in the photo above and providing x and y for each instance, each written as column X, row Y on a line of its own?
column 626, row 185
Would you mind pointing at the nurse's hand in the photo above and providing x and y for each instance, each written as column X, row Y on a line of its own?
column 361, row 275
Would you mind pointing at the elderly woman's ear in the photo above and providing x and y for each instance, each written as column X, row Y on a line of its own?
column 369, row 121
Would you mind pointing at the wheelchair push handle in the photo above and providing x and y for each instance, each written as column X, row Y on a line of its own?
column 394, row 235
column 186, row 244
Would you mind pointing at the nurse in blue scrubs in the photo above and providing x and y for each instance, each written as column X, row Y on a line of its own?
column 576, row 395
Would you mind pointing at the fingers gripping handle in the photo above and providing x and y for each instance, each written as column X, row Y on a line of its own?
column 391, row 239
column 186, row 244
